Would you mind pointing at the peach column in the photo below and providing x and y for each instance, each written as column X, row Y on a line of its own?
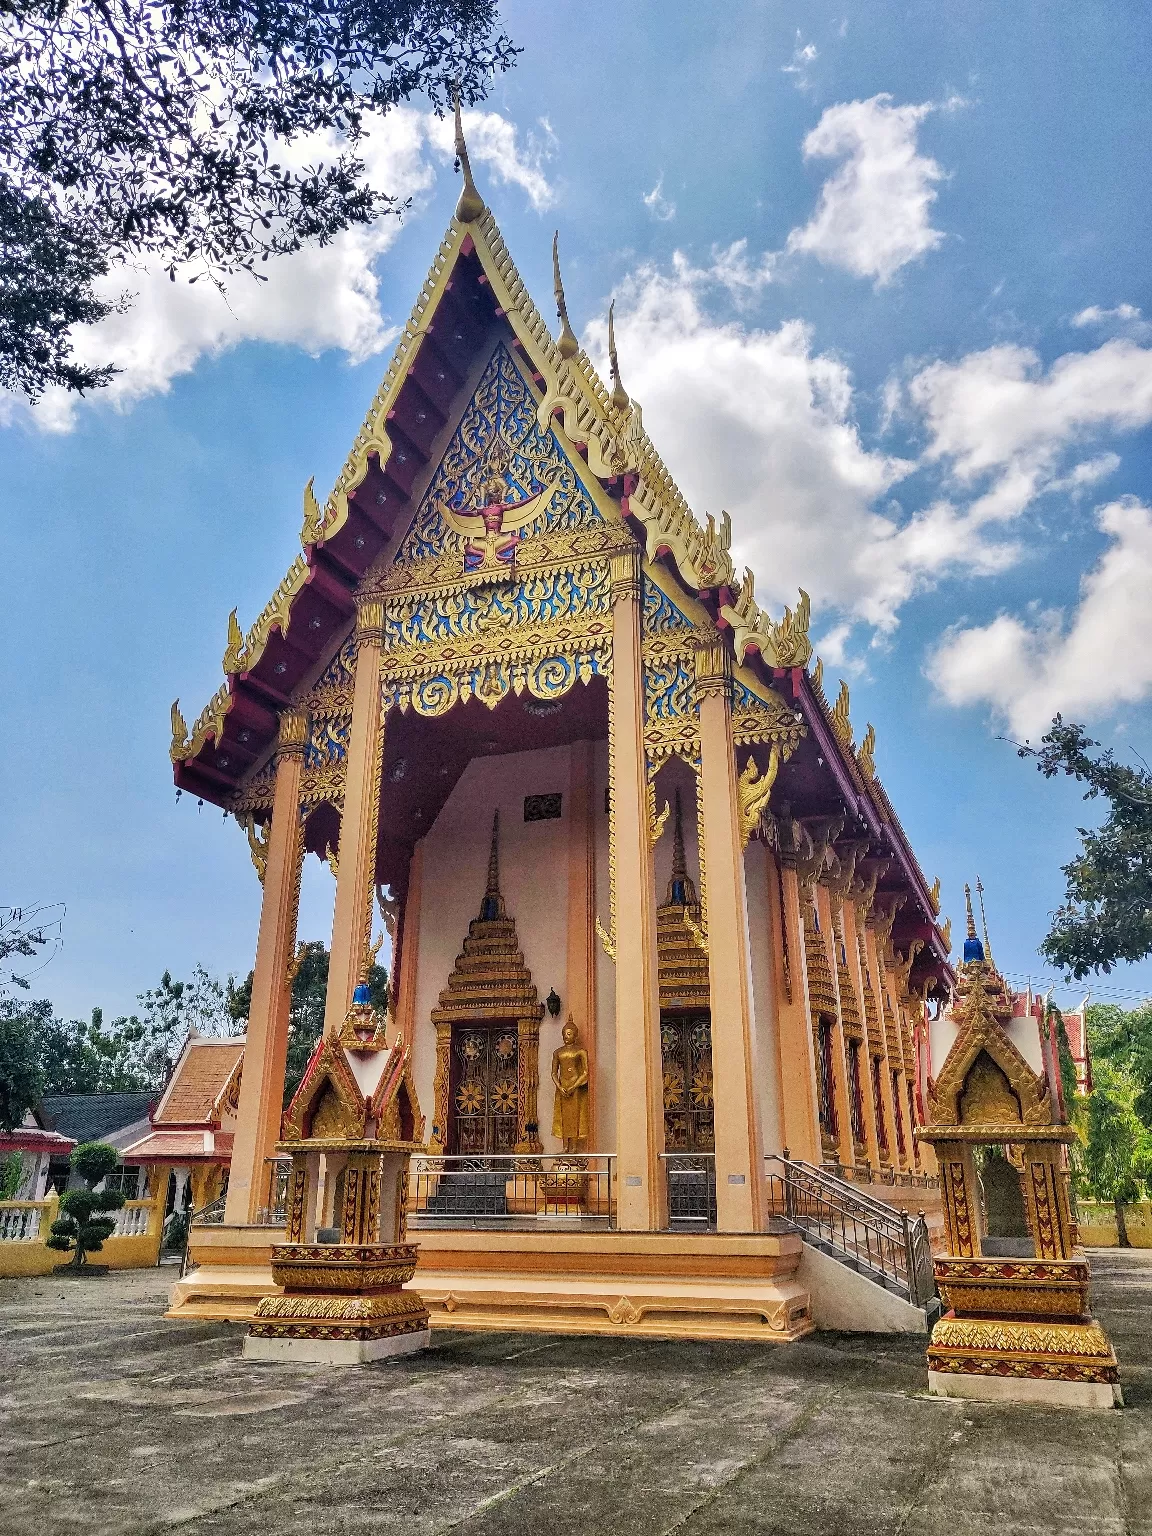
column 801, row 1114
column 839, row 1045
column 848, row 925
column 739, row 1144
column 359, row 823
column 266, row 1049
column 409, row 935
column 885, row 1068
column 641, row 1200
column 580, row 971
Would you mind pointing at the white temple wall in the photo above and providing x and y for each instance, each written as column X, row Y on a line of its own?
column 1024, row 1034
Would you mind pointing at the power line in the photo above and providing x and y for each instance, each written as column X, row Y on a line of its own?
column 1044, row 983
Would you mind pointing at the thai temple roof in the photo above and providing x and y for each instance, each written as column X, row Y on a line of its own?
column 472, row 297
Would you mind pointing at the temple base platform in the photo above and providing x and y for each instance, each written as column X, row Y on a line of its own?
column 651, row 1284
column 316, row 1351
column 1026, row 1389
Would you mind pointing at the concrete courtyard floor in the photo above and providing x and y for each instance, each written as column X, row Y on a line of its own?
column 113, row 1420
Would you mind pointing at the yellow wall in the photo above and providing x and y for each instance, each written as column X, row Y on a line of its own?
column 34, row 1257
column 1098, row 1224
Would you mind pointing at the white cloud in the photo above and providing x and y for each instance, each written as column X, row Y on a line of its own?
column 874, row 213
column 1028, row 669
column 658, row 205
column 757, row 422
column 318, row 299
column 1094, row 315
column 804, row 55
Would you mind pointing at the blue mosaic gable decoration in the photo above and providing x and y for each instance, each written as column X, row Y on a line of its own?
column 502, row 410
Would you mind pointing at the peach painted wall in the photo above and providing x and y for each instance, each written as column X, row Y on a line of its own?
column 763, row 1000
column 534, row 881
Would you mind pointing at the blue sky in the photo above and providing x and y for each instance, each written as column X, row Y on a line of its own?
column 881, row 274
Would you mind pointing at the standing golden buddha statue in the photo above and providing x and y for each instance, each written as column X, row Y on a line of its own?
column 570, row 1074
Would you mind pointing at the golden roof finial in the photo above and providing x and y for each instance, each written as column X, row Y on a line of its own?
column 983, row 921
column 471, row 204
column 567, row 345
column 179, row 747
column 492, row 907
column 968, row 911
column 619, row 393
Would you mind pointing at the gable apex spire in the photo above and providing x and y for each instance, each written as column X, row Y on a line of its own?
column 471, row 204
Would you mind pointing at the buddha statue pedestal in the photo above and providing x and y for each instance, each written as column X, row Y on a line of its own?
column 343, row 1304
column 351, row 1130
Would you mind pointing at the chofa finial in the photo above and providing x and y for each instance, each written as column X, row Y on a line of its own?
column 471, row 204
column 619, row 394
column 567, row 345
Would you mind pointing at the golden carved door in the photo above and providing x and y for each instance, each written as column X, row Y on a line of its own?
column 686, row 1051
column 484, row 1093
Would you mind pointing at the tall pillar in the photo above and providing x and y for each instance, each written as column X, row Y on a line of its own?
column 739, row 1145
column 850, row 933
column 405, row 959
column 580, row 970
column 360, row 821
column 800, row 1109
column 640, row 1194
column 845, row 1141
column 266, row 1048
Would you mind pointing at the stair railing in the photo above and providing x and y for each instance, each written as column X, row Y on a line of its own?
column 885, row 1244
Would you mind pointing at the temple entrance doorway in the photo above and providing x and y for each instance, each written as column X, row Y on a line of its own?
column 686, row 1052
column 483, row 1095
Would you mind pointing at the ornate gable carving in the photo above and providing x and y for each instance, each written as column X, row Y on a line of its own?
column 328, row 1105
column 984, row 1074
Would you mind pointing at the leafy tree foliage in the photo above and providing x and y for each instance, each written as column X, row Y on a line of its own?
column 1116, row 1158
column 1123, row 1037
column 84, row 1223
column 1106, row 915
column 146, row 128
column 21, row 1075
column 306, row 1018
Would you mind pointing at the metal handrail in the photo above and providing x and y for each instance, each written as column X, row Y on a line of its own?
column 510, row 1189
column 889, row 1244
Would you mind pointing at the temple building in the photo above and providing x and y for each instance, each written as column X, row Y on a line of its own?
column 653, row 920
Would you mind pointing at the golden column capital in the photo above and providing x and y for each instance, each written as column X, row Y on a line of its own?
column 293, row 735
column 370, row 619
column 713, row 665
column 625, row 571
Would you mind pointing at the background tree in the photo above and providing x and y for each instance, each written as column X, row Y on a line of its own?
column 21, row 1075
column 84, row 1223
column 1116, row 1159
column 1123, row 1036
column 132, row 129
column 306, row 1015
column 26, row 933
column 1106, row 915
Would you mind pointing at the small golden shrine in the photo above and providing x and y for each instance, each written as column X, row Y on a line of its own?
column 1016, row 1324
column 485, row 1104
column 350, row 1130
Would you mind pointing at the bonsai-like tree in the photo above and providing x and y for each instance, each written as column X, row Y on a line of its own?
column 82, row 1225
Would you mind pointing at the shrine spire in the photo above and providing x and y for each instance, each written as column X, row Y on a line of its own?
column 619, row 393
column 492, row 907
column 681, row 891
column 984, row 922
column 471, row 204
column 973, row 949
column 567, row 345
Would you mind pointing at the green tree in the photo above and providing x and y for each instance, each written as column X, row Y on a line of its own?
column 1116, row 1158
column 135, row 129
column 21, row 1075
column 91, row 1057
column 1123, row 1036
column 84, row 1223
column 1106, row 915
column 306, row 1015
column 167, row 1014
